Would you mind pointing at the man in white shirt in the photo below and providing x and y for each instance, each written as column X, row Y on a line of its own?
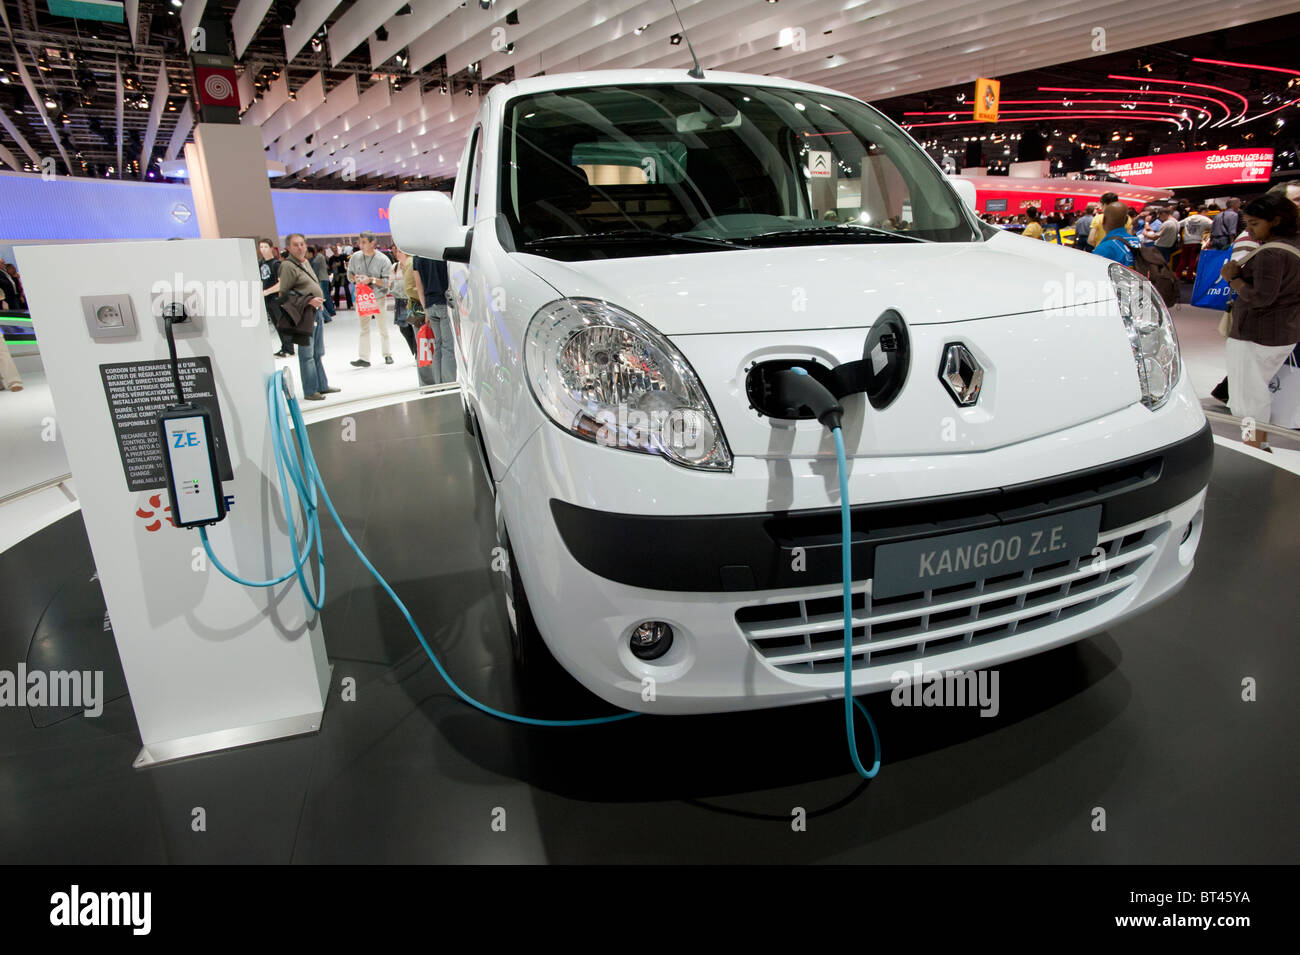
column 371, row 267
column 1194, row 228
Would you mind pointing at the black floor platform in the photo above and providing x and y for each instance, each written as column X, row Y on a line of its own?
column 1146, row 721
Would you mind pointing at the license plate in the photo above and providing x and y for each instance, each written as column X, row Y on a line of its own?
column 965, row 557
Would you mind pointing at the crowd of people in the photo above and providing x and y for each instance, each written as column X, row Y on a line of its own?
column 304, row 285
column 1177, row 229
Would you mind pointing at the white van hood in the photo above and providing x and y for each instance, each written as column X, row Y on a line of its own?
column 757, row 290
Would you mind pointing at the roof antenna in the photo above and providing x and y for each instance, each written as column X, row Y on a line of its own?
column 696, row 72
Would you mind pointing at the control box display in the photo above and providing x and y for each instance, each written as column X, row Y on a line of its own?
column 193, row 478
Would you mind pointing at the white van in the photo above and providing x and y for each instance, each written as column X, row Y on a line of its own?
column 636, row 255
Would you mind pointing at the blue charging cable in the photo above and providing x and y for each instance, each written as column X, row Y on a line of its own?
column 297, row 469
column 831, row 418
column 846, row 564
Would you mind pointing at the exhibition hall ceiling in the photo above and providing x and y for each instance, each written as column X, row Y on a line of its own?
column 371, row 93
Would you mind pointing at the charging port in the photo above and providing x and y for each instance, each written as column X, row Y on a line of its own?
column 769, row 400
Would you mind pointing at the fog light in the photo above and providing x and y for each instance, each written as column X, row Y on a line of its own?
column 651, row 640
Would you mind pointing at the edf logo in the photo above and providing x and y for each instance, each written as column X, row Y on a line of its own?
column 154, row 520
column 186, row 439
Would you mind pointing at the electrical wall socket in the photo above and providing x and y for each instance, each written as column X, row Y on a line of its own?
column 109, row 317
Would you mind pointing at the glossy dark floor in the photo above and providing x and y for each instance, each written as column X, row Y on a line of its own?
column 1146, row 721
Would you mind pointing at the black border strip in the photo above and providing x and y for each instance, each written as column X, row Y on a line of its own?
column 755, row 551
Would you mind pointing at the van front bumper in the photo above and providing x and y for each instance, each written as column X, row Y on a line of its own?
column 753, row 627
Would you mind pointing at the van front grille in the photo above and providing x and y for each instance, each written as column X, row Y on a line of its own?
column 807, row 636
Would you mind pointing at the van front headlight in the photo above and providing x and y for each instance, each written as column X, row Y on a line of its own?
column 1150, row 333
column 605, row 375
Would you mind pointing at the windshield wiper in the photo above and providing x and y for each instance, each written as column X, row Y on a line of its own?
column 632, row 235
column 857, row 233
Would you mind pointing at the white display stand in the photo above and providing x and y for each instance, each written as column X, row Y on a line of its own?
column 210, row 664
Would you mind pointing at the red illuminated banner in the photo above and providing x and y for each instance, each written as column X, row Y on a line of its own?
column 1219, row 167
column 1015, row 202
column 1011, row 195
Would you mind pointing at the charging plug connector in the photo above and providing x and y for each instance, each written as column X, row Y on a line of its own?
column 795, row 388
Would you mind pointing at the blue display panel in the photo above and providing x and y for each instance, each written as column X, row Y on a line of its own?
column 92, row 210
column 330, row 213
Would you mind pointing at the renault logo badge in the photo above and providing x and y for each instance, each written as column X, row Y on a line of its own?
column 961, row 374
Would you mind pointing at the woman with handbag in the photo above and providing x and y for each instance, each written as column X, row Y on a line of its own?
column 1266, row 314
column 402, row 302
column 301, row 301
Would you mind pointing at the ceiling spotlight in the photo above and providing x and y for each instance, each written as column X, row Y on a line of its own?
column 316, row 44
column 485, row 4
column 401, row 59
column 177, row 3
column 510, row 48
column 675, row 39
column 381, row 34
column 442, row 88
column 641, row 29
column 49, row 102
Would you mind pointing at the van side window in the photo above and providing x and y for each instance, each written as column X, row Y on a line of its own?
column 468, row 200
column 475, row 177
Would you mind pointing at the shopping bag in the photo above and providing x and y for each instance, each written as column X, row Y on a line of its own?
column 366, row 305
column 1285, row 387
column 1210, row 290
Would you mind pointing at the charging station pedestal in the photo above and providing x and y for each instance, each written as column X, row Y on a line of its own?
column 210, row 664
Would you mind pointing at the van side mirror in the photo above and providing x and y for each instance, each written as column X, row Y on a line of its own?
column 425, row 223
column 965, row 190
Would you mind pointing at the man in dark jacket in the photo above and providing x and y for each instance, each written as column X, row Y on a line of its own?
column 269, row 270
column 338, row 265
column 320, row 265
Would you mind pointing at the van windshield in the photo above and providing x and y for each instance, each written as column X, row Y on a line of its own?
column 642, row 169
